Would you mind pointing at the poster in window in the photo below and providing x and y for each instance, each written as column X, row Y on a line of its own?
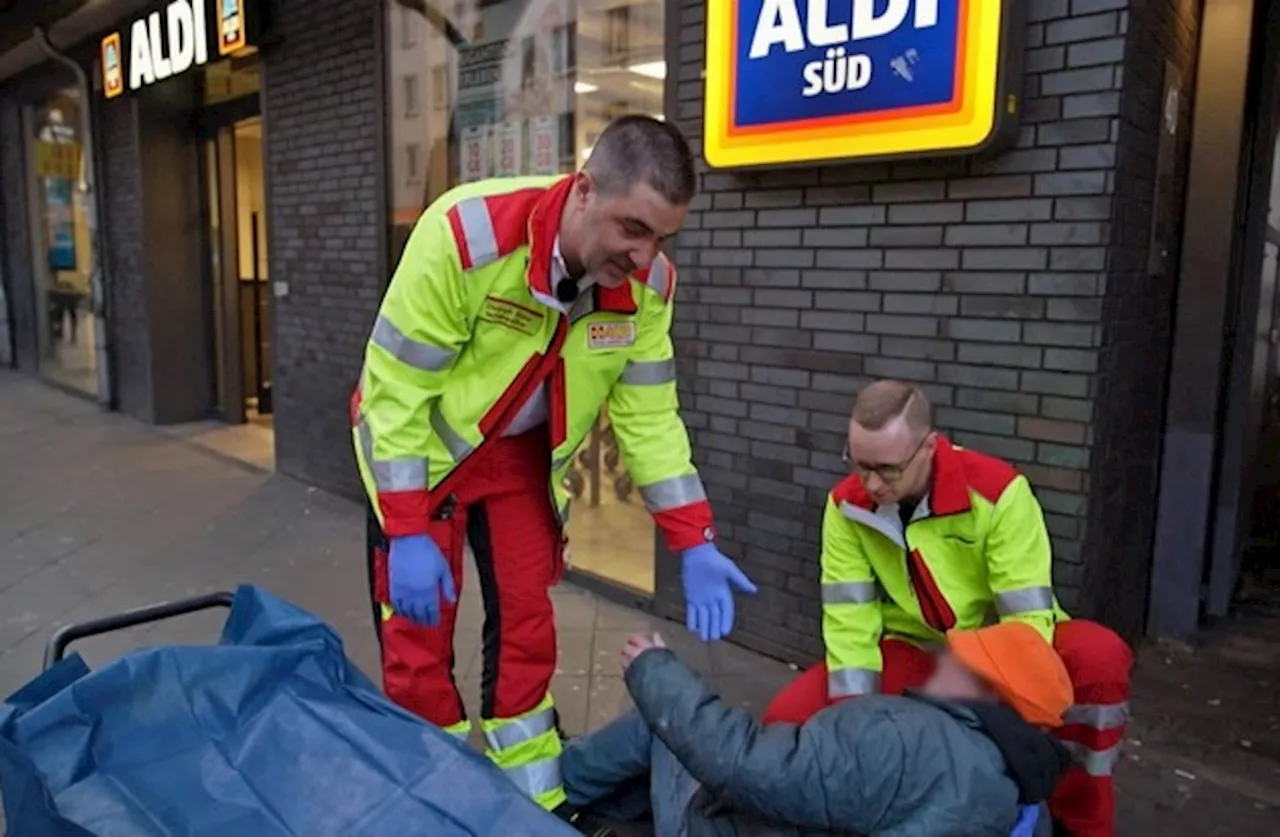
column 544, row 145
column 506, row 158
column 60, row 217
column 475, row 153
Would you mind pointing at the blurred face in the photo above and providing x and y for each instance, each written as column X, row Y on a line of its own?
column 614, row 236
column 894, row 462
column 952, row 681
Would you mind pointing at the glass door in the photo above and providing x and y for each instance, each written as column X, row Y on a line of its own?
column 220, row 187
column 238, row 270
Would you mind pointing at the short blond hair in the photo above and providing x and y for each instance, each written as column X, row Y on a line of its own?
column 881, row 402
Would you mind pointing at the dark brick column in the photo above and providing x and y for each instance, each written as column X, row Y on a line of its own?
column 990, row 283
column 324, row 126
column 16, row 230
column 125, row 225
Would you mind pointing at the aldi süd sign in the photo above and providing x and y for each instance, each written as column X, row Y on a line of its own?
column 172, row 39
column 806, row 81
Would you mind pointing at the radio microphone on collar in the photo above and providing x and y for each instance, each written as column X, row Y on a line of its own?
column 566, row 290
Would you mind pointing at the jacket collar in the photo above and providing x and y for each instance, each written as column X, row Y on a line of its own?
column 543, row 235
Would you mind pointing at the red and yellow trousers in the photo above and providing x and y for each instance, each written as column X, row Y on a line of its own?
column 503, row 510
column 1099, row 664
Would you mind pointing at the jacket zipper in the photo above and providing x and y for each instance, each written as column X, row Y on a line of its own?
column 935, row 610
column 531, row 376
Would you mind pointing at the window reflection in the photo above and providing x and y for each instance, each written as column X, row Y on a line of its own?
column 517, row 88
column 64, row 264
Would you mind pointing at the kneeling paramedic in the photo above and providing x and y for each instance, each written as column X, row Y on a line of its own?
column 925, row 537
column 519, row 308
column 962, row 756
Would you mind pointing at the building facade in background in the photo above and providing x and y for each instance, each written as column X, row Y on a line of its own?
column 256, row 182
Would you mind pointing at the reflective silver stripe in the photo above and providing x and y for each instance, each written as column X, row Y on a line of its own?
column 649, row 373
column 459, row 448
column 1025, row 600
column 460, row 734
column 424, row 356
column 391, row 474
column 849, row 592
column 844, row 682
column 660, row 276
column 517, row 732
column 1099, row 715
column 1094, row 762
column 891, row 529
column 537, row 778
column 478, row 231
column 673, row 493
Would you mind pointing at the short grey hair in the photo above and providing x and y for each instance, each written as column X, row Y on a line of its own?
column 640, row 149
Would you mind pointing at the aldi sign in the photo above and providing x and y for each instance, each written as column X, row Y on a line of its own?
column 174, row 38
column 808, row 81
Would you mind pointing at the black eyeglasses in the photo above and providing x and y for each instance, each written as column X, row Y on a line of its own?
column 891, row 472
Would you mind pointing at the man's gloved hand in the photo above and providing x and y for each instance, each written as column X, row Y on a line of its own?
column 707, row 574
column 418, row 573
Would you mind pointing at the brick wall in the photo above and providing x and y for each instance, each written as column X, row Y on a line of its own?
column 17, row 244
column 1129, row 408
column 322, row 103
column 130, row 311
column 986, row 282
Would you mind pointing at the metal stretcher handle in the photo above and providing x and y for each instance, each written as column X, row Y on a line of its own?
column 68, row 634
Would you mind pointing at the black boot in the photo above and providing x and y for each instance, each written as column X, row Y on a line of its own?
column 584, row 822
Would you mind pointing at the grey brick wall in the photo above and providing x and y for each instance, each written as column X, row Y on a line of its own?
column 17, row 245
column 1137, row 312
column 989, row 283
column 130, row 309
column 322, row 103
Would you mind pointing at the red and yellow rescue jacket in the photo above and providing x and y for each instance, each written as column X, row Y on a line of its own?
column 470, row 328
column 974, row 551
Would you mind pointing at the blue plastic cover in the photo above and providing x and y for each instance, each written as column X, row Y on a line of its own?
column 272, row 732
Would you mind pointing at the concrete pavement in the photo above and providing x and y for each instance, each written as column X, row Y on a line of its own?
column 99, row 513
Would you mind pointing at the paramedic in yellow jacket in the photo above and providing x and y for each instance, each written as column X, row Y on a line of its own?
column 519, row 308
column 925, row 537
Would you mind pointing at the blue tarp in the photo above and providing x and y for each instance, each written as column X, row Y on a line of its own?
column 272, row 732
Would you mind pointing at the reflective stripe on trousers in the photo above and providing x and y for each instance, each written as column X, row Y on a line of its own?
column 1099, row 717
column 528, row 750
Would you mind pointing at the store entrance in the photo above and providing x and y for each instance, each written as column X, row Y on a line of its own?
column 1244, row 570
column 240, row 295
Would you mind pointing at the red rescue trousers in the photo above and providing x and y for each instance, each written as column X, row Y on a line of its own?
column 1099, row 663
column 504, row 509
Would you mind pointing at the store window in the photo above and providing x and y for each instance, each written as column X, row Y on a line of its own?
column 63, row 257
column 523, row 87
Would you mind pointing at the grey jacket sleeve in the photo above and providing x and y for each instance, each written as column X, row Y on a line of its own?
column 839, row 771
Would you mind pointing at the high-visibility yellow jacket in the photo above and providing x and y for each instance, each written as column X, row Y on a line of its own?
column 470, row 328
column 974, row 552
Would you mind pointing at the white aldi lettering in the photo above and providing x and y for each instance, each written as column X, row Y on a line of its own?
column 154, row 57
column 840, row 68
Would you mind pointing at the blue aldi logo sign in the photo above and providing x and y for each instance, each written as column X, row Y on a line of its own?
column 807, row 81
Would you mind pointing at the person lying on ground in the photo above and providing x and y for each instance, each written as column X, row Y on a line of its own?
column 965, row 755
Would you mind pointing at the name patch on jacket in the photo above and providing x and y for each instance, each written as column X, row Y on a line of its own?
column 513, row 315
column 610, row 335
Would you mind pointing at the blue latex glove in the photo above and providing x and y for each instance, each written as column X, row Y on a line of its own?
column 707, row 575
column 418, row 574
column 1028, row 817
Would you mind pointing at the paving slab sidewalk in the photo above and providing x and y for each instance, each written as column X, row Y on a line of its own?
column 99, row 513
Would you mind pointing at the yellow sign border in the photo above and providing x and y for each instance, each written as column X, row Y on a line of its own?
column 110, row 91
column 988, row 105
column 242, row 37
